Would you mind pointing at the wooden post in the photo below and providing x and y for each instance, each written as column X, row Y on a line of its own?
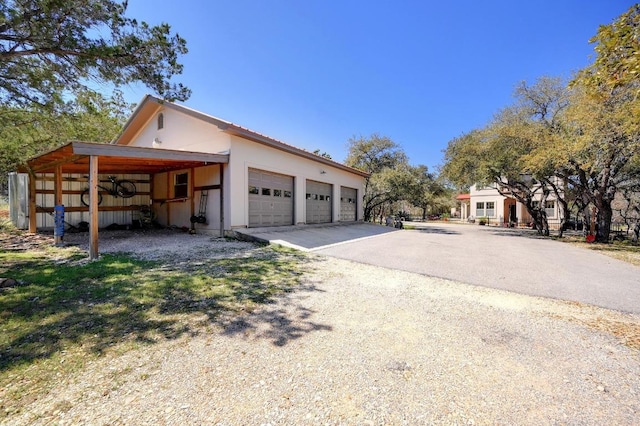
column 151, row 178
column 33, row 218
column 93, row 207
column 221, row 200
column 57, row 190
column 169, row 195
column 192, row 191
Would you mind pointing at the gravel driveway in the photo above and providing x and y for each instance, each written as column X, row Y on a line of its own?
column 364, row 345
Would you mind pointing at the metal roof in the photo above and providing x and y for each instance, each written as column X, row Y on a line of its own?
column 150, row 105
column 74, row 158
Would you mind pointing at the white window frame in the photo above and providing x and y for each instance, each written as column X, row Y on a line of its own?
column 550, row 208
column 490, row 212
column 480, row 211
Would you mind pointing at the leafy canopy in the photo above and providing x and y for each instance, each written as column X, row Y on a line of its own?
column 88, row 117
column 387, row 164
column 49, row 48
column 617, row 46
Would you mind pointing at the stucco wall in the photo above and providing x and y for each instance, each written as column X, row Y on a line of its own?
column 485, row 195
column 182, row 132
column 492, row 194
column 246, row 154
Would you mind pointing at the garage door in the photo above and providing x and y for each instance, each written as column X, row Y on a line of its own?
column 318, row 202
column 348, row 204
column 270, row 199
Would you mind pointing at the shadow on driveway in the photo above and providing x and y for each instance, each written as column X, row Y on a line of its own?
column 435, row 230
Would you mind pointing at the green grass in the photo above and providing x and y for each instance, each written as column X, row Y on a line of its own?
column 65, row 311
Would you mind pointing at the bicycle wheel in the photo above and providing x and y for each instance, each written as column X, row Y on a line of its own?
column 84, row 197
column 126, row 188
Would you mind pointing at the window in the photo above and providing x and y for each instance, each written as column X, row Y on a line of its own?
column 266, row 191
column 480, row 209
column 181, row 185
column 308, row 196
column 490, row 209
column 321, row 197
column 287, row 194
column 254, row 190
column 550, row 208
column 277, row 192
column 160, row 121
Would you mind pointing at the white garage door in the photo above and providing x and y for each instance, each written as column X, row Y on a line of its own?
column 348, row 204
column 318, row 202
column 270, row 199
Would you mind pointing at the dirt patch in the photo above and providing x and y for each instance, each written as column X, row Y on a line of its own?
column 22, row 241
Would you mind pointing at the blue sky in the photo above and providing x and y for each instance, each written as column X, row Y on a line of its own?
column 315, row 73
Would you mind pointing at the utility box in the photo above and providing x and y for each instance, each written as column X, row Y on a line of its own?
column 19, row 199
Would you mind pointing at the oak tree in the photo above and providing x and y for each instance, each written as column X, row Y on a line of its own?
column 50, row 49
column 388, row 169
column 604, row 118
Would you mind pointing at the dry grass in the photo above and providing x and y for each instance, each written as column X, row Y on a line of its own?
column 5, row 220
column 627, row 332
column 625, row 327
column 621, row 250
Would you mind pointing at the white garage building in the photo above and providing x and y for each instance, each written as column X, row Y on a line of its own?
column 266, row 182
column 184, row 162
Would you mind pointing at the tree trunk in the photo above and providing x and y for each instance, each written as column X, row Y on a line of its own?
column 561, row 229
column 540, row 222
column 586, row 215
column 604, row 216
column 566, row 213
column 367, row 213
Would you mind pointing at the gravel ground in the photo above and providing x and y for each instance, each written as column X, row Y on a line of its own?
column 159, row 244
column 361, row 345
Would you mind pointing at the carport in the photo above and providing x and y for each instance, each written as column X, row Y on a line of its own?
column 95, row 158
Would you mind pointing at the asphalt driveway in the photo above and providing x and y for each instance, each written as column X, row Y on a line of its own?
column 507, row 259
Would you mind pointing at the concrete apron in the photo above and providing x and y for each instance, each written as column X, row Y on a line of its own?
column 313, row 237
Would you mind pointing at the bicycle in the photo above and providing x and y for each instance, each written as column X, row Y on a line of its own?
column 119, row 188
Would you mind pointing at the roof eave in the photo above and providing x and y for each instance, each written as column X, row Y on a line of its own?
column 234, row 129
